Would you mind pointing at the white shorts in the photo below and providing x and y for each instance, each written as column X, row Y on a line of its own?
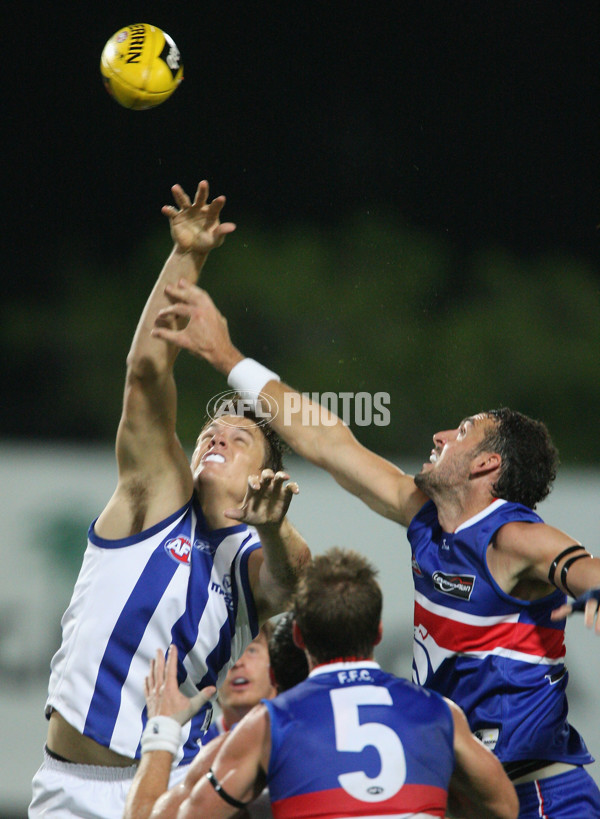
column 64, row 790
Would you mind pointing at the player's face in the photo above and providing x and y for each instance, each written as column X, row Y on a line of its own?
column 228, row 450
column 452, row 455
column 248, row 681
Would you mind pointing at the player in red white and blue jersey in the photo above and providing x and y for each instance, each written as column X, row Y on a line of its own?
column 351, row 740
column 171, row 559
column 502, row 601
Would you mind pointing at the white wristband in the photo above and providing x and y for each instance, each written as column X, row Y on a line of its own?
column 161, row 734
column 248, row 377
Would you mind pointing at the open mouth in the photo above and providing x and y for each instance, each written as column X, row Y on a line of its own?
column 213, row 457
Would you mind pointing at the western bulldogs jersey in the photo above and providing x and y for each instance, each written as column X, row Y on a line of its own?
column 177, row 582
column 500, row 658
column 352, row 740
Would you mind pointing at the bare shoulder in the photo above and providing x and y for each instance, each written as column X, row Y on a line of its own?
column 142, row 500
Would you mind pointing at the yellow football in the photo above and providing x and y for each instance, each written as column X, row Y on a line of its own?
column 141, row 66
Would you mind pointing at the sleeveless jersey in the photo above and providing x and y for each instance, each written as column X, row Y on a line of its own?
column 352, row 740
column 500, row 658
column 177, row 582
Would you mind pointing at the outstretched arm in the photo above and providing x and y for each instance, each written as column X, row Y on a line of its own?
column 238, row 770
column 274, row 569
column 149, row 794
column 479, row 787
column 154, row 474
column 309, row 429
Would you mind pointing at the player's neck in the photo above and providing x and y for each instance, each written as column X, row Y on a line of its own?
column 451, row 516
column 455, row 510
column 232, row 715
column 215, row 502
column 312, row 663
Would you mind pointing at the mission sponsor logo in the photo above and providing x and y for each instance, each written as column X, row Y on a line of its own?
column 179, row 549
column 456, row 585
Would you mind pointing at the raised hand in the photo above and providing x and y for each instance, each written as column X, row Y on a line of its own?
column 205, row 335
column 195, row 226
column 163, row 697
column 267, row 499
column 588, row 603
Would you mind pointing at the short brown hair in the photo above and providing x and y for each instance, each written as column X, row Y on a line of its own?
column 288, row 662
column 338, row 605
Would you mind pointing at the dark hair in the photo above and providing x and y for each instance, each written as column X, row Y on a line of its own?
column 274, row 445
column 337, row 606
column 529, row 458
column 288, row 662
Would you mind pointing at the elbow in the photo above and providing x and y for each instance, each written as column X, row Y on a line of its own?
column 141, row 369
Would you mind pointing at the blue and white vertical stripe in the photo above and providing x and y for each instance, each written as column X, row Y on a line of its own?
column 177, row 582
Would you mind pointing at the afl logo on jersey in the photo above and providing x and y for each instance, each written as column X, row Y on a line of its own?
column 456, row 585
column 180, row 549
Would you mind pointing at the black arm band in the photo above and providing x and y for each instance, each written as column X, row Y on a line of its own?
column 557, row 560
column 565, row 569
column 223, row 793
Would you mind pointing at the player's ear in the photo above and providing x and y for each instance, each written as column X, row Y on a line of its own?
column 379, row 634
column 297, row 636
column 485, row 462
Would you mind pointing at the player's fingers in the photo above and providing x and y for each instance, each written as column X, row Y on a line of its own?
column 171, row 665
column 172, row 336
column 160, row 666
column 292, row 488
column 178, row 309
column 254, row 484
column 169, row 210
column 215, row 207
column 561, row 612
column 182, row 200
column 281, row 476
column 234, row 514
column 201, row 194
column 202, row 697
column 591, row 607
column 226, row 227
column 266, row 478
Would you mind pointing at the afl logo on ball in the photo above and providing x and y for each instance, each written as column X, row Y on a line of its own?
column 179, row 548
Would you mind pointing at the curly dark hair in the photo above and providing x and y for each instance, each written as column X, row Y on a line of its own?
column 338, row 605
column 529, row 457
column 288, row 662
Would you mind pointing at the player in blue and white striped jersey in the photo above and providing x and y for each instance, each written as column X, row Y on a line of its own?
column 198, row 557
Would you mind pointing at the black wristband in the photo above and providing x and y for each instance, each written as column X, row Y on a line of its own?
column 223, row 793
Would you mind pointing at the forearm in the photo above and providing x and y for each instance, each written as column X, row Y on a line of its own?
column 284, row 553
column 150, row 782
column 147, row 354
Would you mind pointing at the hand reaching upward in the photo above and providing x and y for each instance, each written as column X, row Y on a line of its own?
column 195, row 226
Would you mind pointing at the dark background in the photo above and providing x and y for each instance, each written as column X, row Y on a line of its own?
column 471, row 125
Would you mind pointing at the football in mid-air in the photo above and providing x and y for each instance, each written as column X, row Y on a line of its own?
column 141, row 66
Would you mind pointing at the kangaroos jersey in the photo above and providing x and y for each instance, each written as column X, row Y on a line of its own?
column 177, row 582
column 500, row 658
column 352, row 740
